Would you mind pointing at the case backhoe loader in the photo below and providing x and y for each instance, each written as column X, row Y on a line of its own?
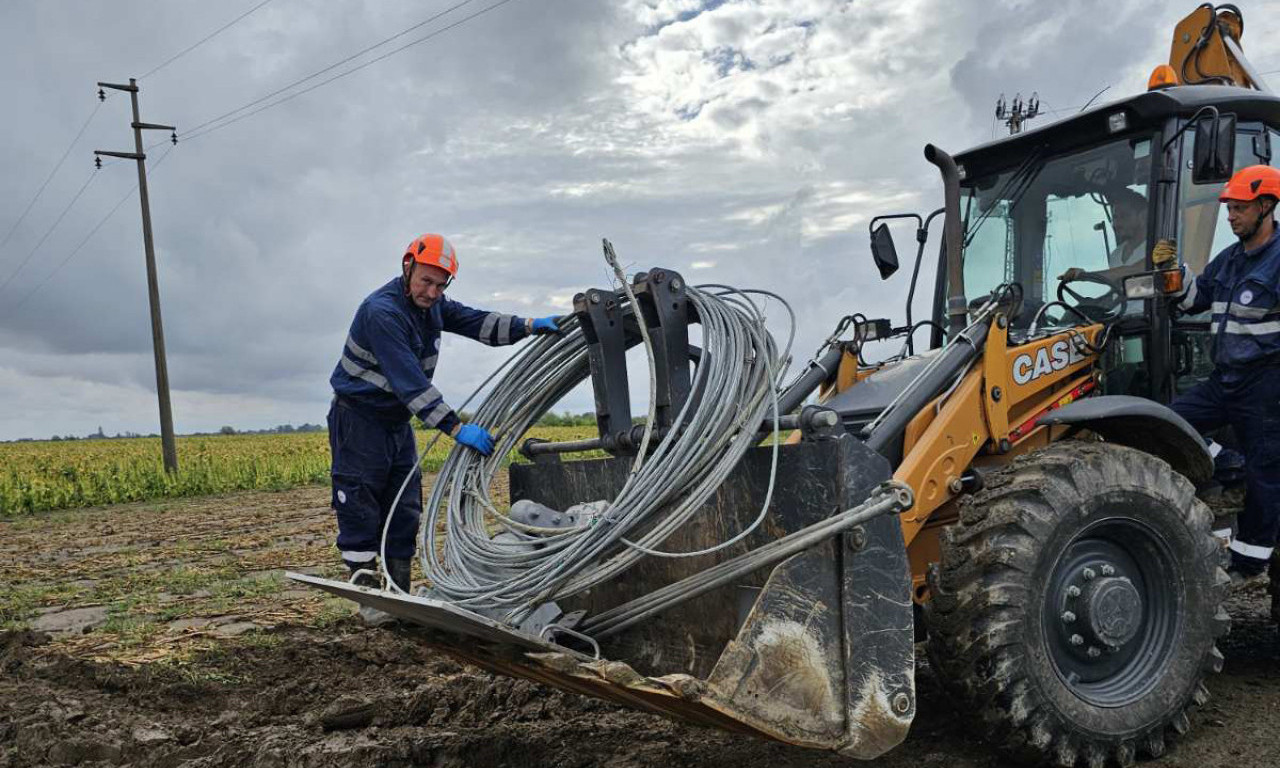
column 1018, row 496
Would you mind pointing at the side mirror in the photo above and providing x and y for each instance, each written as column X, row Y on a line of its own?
column 1214, row 151
column 883, row 252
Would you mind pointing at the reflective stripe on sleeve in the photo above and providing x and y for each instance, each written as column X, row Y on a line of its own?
column 423, row 400
column 1249, row 313
column 486, row 329
column 504, row 329
column 360, row 351
column 437, row 413
column 1189, row 300
column 1252, row 329
column 1223, row 533
column 1250, row 550
column 373, row 377
column 358, row 557
column 429, row 363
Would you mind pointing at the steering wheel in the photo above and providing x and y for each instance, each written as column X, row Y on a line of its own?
column 1105, row 304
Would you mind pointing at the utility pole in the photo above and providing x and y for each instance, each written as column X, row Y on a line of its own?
column 1016, row 114
column 170, row 446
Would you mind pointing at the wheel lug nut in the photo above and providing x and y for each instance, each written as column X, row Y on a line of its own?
column 1077, row 640
column 1088, row 574
column 1073, row 591
column 1068, row 617
column 1108, row 570
column 1094, row 652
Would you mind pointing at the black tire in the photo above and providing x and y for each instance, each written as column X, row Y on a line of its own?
column 1076, row 605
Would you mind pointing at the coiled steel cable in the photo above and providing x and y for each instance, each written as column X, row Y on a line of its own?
column 735, row 384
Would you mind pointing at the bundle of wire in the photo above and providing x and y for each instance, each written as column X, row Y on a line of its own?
column 734, row 391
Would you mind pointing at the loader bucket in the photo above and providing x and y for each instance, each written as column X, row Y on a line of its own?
column 814, row 650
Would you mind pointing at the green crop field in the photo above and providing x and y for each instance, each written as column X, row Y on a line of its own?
column 40, row 476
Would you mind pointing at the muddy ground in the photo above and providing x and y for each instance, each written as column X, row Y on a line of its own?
column 163, row 635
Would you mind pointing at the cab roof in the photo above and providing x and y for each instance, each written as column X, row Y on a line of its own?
column 1146, row 110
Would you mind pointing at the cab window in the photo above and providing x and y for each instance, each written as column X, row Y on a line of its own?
column 1203, row 230
column 1086, row 210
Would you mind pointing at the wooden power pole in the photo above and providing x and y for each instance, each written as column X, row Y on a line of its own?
column 170, row 446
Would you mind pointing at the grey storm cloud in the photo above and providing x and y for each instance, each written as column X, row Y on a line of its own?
column 746, row 141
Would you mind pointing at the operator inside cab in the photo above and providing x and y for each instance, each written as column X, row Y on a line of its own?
column 1129, row 222
column 382, row 380
column 1241, row 285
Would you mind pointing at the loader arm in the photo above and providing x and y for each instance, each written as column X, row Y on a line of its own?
column 991, row 415
column 1206, row 49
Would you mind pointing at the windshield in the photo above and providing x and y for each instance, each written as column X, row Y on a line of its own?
column 1032, row 223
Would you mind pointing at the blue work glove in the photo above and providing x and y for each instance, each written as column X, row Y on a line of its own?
column 476, row 437
column 546, row 325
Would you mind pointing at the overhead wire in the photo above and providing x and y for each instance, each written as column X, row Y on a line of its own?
column 52, row 173
column 15, row 307
column 218, row 123
column 329, row 67
column 88, row 180
column 203, row 40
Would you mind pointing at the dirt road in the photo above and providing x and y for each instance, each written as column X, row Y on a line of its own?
column 163, row 635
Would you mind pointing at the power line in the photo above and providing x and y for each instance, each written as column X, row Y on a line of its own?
column 332, row 66
column 49, row 231
column 196, row 132
column 204, row 40
column 52, row 173
column 89, row 236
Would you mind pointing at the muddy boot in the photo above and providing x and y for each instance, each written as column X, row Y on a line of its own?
column 400, row 568
column 368, row 578
column 1247, row 572
column 364, row 575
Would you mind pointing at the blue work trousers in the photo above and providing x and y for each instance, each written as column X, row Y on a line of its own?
column 370, row 461
column 1250, row 405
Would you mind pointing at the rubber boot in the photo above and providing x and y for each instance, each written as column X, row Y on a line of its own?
column 400, row 570
column 370, row 617
column 364, row 579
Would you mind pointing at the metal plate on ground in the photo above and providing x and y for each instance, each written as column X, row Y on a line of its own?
column 434, row 614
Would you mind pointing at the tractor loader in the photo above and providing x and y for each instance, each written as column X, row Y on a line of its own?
column 1018, row 497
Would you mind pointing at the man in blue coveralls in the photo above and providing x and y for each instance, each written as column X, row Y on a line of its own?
column 1242, row 287
column 382, row 380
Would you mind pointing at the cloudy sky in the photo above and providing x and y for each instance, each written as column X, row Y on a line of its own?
column 739, row 141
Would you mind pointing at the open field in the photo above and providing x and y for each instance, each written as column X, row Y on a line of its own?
column 155, row 633
column 40, row 476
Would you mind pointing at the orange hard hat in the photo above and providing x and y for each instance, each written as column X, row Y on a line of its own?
column 434, row 250
column 1251, row 183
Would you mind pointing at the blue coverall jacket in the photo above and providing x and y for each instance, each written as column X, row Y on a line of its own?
column 1242, row 290
column 382, row 379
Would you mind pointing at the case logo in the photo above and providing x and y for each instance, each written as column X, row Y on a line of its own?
column 1055, row 357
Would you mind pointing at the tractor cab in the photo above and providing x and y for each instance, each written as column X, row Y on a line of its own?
column 1070, row 214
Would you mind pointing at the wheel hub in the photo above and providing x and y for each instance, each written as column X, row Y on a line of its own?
column 1111, row 612
column 1101, row 613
